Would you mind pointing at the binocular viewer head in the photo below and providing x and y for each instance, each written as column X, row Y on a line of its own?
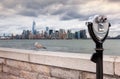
column 98, row 27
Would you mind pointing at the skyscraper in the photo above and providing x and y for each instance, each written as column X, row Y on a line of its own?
column 47, row 28
column 69, row 34
column 83, row 34
column 33, row 28
column 47, row 31
column 77, row 35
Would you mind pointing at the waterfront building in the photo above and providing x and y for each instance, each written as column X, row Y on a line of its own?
column 18, row 36
column 31, row 35
column 83, row 34
column 50, row 32
column 42, row 35
column 47, row 32
column 62, row 34
column 47, row 28
column 53, row 35
column 69, row 34
column 25, row 34
column 77, row 35
column 33, row 28
column 56, row 34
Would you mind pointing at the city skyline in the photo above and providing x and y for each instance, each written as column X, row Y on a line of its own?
column 17, row 15
column 47, row 33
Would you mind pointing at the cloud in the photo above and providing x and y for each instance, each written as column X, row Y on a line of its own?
column 28, row 13
column 39, row 7
column 65, row 10
column 72, row 15
column 22, row 5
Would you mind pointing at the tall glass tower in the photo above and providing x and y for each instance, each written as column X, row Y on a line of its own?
column 33, row 27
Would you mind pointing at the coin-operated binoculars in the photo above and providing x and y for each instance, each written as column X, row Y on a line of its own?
column 98, row 29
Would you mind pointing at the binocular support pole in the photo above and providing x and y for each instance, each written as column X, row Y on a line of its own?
column 98, row 59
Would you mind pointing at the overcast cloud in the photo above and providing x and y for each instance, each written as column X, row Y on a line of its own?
column 16, row 15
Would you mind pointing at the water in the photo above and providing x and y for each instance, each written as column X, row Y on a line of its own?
column 111, row 47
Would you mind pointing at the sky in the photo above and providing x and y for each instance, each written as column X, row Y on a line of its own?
column 17, row 15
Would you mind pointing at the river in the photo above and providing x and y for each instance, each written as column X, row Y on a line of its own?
column 111, row 47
